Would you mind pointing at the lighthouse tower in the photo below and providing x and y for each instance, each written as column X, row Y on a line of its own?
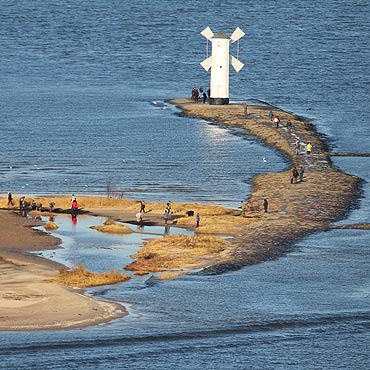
column 219, row 62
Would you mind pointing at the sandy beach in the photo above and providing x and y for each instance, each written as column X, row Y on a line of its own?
column 295, row 210
column 27, row 300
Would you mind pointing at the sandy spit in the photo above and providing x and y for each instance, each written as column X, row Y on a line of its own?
column 295, row 210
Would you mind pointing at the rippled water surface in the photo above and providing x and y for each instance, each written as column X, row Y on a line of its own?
column 83, row 104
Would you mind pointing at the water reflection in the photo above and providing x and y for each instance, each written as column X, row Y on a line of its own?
column 74, row 218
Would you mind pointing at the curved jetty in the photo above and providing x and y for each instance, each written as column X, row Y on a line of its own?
column 295, row 209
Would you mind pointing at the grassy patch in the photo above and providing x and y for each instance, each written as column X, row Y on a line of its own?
column 177, row 252
column 51, row 226
column 80, row 277
column 111, row 227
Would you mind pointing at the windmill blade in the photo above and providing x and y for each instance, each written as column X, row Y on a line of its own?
column 207, row 33
column 237, row 34
column 237, row 64
column 206, row 64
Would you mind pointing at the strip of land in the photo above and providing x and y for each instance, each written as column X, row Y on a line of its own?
column 325, row 195
column 30, row 300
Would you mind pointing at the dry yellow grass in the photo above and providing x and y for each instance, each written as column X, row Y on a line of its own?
column 178, row 252
column 51, row 226
column 112, row 227
column 79, row 277
column 170, row 275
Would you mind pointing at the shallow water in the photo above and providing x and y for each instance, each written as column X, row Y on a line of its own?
column 99, row 251
column 78, row 86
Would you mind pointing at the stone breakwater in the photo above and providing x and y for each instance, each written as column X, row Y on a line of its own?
column 325, row 195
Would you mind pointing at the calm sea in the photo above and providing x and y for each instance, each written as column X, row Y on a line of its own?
column 83, row 90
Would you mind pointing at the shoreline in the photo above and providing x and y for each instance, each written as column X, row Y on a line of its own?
column 325, row 195
column 27, row 300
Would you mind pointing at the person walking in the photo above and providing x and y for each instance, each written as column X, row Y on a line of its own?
column 10, row 199
column 197, row 219
column 142, row 206
column 265, row 205
column 271, row 115
column 308, row 148
column 301, row 173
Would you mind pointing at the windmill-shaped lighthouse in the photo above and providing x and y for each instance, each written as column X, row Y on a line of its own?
column 219, row 62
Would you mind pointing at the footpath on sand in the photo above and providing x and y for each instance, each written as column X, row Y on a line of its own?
column 325, row 195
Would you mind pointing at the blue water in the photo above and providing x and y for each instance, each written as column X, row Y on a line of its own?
column 78, row 81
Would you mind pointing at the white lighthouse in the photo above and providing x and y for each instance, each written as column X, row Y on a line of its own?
column 219, row 62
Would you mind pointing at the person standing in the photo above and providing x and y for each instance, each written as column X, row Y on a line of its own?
column 193, row 94
column 301, row 173
column 166, row 216
column 21, row 203
column 10, row 199
column 196, row 95
column 197, row 219
column 74, row 206
column 245, row 109
column 169, row 207
column 142, row 206
column 297, row 147
column 265, row 204
column 271, row 115
column 139, row 218
column 295, row 175
column 309, row 148
column 204, row 97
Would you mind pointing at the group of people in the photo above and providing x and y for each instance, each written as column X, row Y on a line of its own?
column 275, row 118
column 25, row 206
column 298, row 147
column 166, row 214
column 199, row 94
